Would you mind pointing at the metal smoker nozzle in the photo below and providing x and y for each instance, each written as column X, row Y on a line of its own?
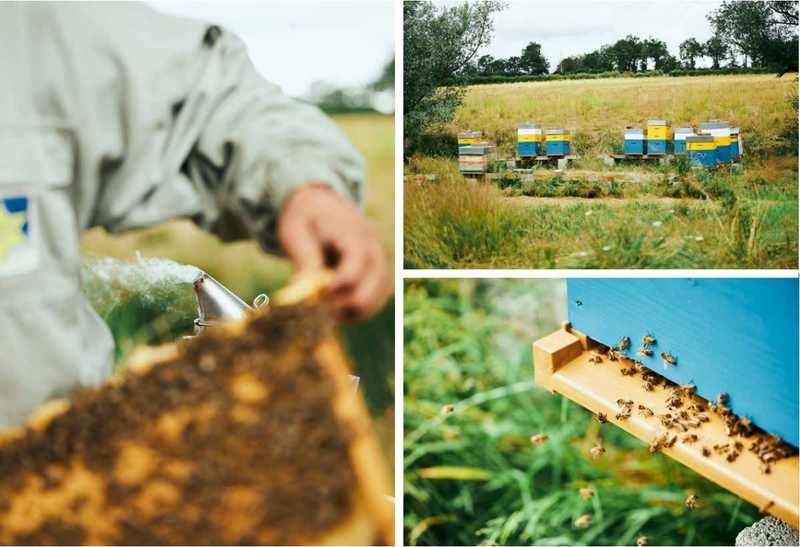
column 215, row 303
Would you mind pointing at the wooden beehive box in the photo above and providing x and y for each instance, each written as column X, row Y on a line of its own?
column 733, row 336
column 251, row 435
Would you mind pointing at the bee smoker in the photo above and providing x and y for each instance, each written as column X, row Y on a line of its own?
column 216, row 304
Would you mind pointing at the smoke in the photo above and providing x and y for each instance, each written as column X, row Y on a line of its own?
column 156, row 283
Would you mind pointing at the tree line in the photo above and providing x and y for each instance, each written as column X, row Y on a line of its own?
column 746, row 34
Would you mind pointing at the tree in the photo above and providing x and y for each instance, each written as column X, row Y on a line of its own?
column 716, row 50
column 657, row 51
column 764, row 32
column 627, row 53
column 601, row 60
column 485, row 64
column 437, row 43
column 532, row 61
column 690, row 50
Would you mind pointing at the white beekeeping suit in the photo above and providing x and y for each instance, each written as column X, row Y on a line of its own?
column 114, row 115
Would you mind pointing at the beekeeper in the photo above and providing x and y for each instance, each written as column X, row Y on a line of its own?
column 114, row 115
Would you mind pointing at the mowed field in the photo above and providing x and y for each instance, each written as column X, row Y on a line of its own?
column 592, row 216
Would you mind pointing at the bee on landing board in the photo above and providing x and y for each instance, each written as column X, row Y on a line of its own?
column 602, row 418
column 646, row 352
column 648, row 340
column 669, row 358
column 625, row 343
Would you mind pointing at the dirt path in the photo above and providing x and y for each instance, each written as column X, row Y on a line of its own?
column 528, row 201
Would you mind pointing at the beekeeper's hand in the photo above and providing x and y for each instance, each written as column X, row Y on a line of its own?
column 318, row 228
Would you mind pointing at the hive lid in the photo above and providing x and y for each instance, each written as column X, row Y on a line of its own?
column 734, row 130
column 634, row 131
column 557, row 131
column 658, row 122
column 684, row 130
column 470, row 135
column 474, row 150
column 529, row 126
column 715, row 125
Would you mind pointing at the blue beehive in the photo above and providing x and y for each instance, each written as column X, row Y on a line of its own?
column 721, row 131
column 529, row 139
column 558, row 142
column 659, row 137
column 680, row 138
column 702, row 149
column 635, row 141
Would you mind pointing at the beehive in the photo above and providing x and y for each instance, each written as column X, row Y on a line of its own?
column 469, row 138
column 680, row 138
column 736, row 151
column 251, row 435
column 721, row 131
column 558, row 142
column 529, row 139
column 659, row 137
column 635, row 141
column 474, row 158
column 702, row 149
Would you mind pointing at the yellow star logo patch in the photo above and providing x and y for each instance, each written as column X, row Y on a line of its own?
column 11, row 233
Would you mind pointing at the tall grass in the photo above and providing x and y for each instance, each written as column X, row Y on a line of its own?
column 745, row 219
column 473, row 478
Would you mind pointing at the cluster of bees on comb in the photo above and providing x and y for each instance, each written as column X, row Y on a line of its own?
column 686, row 412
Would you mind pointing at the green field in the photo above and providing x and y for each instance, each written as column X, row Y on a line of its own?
column 472, row 477
column 581, row 218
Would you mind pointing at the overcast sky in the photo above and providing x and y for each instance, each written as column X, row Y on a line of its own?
column 296, row 43
column 565, row 28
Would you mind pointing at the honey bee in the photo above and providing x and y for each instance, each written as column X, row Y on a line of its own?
column 671, row 441
column 597, row 450
column 724, row 411
column 693, row 423
column 669, row 358
column 586, row 493
column 683, row 415
column 691, row 501
column 658, row 442
column 746, row 427
column 666, row 419
column 646, row 411
column 625, row 343
column 722, row 398
column 602, row 418
column 732, row 456
column 642, row 541
column 582, row 521
column 689, row 389
column 448, row 409
column 647, row 387
column 646, row 352
column 705, row 452
column 694, row 407
column 628, row 371
column 720, row 448
column 648, row 340
column 680, row 426
column 595, row 359
column 689, row 439
column 766, row 507
column 765, row 469
column 639, row 366
column 624, row 415
column 738, row 446
column 539, row 439
column 624, row 402
column 712, row 407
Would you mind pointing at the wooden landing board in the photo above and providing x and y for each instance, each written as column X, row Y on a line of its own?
column 561, row 365
column 738, row 336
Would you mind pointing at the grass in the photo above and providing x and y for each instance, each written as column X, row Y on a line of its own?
column 247, row 271
column 746, row 219
column 473, row 478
